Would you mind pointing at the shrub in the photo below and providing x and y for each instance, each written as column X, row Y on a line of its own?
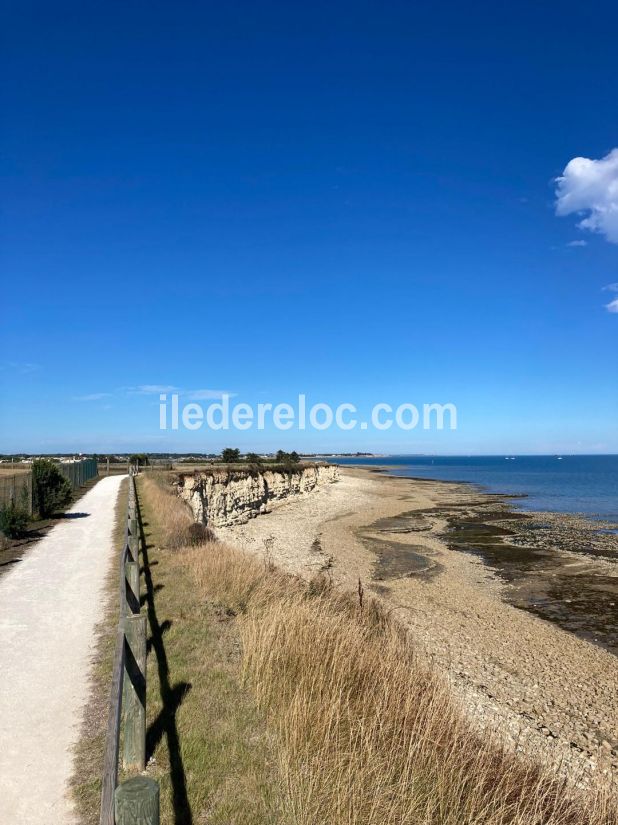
column 13, row 520
column 51, row 490
column 287, row 458
column 196, row 534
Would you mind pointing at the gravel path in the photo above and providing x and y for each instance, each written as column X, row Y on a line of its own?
column 50, row 603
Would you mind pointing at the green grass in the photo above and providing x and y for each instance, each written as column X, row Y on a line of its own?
column 210, row 750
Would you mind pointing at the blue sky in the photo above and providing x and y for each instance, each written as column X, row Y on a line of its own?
column 356, row 201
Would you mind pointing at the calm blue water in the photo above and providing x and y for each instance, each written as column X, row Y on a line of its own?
column 576, row 484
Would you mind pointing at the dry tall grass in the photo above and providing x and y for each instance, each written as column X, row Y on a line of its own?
column 174, row 519
column 368, row 734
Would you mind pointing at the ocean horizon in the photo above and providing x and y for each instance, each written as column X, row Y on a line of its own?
column 586, row 484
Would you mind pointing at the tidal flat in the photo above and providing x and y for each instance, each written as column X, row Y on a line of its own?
column 559, row 567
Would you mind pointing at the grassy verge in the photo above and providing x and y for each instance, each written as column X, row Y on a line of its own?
column 208, row 745
column 365, row 732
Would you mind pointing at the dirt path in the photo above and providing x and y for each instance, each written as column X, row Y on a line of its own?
column 50, row 603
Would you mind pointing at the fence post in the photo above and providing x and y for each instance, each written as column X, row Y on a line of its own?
column 132, row 601
column 132, row 523
column 133, row 528
column 135, row 693
column 137, row 802
column 133, row 532
column 133, row 544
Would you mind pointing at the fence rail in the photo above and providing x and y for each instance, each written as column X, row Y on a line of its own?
column 136, row 801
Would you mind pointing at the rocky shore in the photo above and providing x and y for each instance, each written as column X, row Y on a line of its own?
column 518, row 610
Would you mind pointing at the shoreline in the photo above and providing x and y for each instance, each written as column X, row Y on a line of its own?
column 549, row 692
column 511, row 548
column 387, row 469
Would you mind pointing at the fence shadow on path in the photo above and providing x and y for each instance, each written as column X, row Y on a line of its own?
column 172, row 697
column 71, row 515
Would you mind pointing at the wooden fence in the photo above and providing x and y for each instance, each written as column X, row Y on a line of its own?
column 136, row 801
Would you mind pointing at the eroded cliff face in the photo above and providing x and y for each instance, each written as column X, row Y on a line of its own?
column 221, row 498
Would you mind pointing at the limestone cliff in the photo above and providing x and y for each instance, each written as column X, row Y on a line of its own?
column 221, row 498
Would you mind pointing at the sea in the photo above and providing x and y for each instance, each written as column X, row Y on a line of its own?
column 586, row 484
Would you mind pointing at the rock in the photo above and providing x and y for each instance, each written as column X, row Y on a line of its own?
column 222, row 498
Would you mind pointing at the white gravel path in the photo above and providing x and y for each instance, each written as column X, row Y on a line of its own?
column 50, row 603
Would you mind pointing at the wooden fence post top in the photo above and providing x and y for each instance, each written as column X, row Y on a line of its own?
column 137, row 802
column 137, row 618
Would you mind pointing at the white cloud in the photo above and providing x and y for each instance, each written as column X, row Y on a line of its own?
column 206, row 395
column 19, row 366
column 613, row 305
column 201, row 394
column 193, row 395
column 577, row 243
column 152, row 389
column 93, row 396
column 590, row 188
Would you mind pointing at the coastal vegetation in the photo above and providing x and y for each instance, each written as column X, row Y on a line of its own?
column 14, row 519
column 287, row 458
column 139, row 459
column 311, row 705
column 51, row 491
column 232, row 455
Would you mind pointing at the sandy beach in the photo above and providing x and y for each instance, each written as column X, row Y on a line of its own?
column 526, row 657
